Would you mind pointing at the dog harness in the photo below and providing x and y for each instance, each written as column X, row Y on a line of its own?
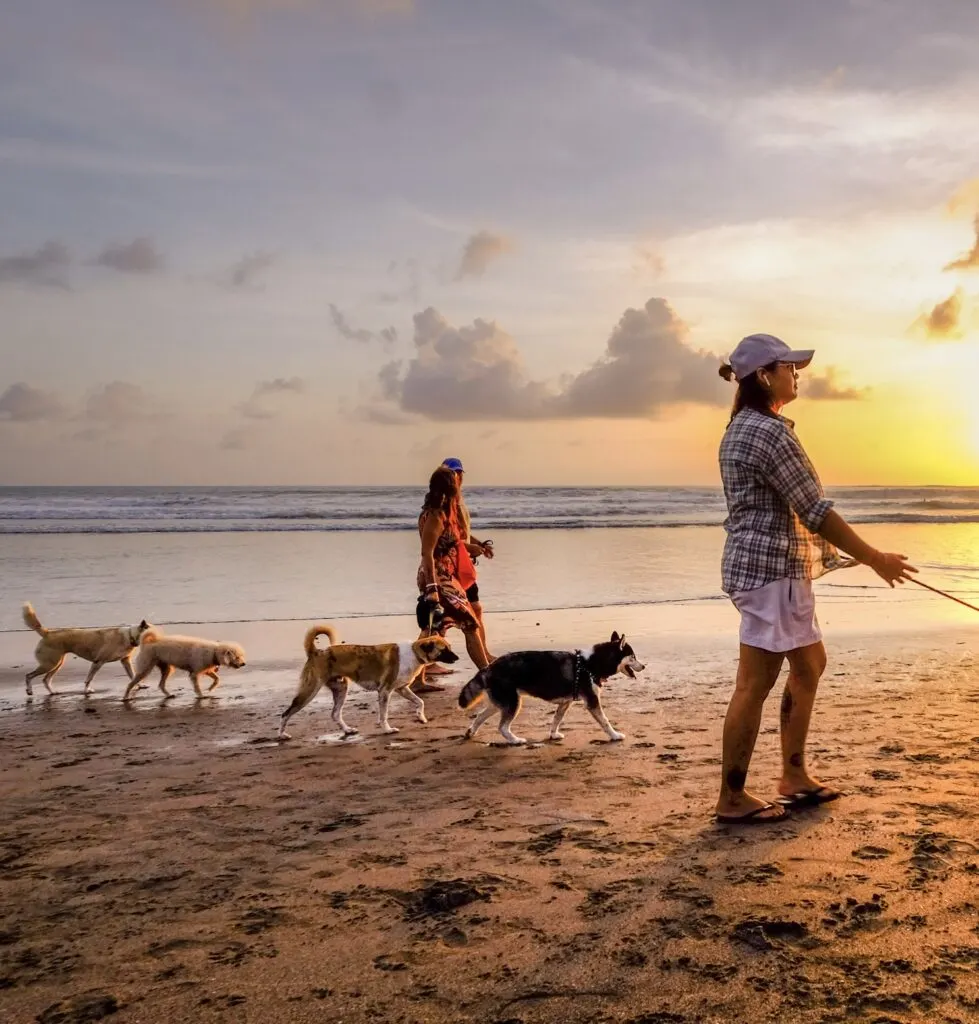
column 582, row 674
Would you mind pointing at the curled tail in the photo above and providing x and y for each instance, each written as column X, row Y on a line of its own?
column 473, row 690
column 322, row 629
column 149, row 636
column 31, row 619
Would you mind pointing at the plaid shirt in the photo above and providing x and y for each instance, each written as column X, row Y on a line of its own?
column 775, row 505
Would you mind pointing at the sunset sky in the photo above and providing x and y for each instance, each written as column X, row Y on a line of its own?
column 334, row 241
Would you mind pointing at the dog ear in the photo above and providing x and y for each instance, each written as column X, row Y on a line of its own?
column 615, row 638
column 143, row 625
column 622, row 642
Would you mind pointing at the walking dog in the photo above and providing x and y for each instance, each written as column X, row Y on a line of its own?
column 559, row 677
column 99, row 646
column 386, row 668
column 194, row 656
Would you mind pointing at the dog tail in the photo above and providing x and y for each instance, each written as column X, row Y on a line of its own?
column 31, row 619
column 473, row 690
column 322, row 629
column 149, row 636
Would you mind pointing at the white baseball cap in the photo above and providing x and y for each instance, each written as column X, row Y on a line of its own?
column 758, row 350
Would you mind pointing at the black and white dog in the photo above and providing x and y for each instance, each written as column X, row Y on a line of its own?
column 559, row 677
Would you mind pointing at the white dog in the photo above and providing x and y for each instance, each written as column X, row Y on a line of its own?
column 99, row 646
column 194, row 656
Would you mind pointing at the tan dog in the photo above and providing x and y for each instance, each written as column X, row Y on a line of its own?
column 194, row 656
column 386, row 668
column 99, row 646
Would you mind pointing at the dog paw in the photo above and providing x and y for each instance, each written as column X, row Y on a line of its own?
column 389, row 729
column 285, row 736
column 616, row 737
column 422, row 719
column 347, row 731
column 557, row 735
column 516, row 741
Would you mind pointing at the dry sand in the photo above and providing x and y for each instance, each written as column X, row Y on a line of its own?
column 170, row 862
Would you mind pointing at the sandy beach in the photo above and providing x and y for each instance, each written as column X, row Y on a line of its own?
column 170, row 861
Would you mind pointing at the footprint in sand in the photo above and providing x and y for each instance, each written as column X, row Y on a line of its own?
column 871, row 853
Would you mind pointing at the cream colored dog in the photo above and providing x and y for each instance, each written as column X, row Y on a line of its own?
column 194, row 656
column 99, row 646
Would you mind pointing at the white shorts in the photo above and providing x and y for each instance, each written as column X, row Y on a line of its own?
column 778, row 617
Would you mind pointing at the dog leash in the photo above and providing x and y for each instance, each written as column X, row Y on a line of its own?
column 935, row 590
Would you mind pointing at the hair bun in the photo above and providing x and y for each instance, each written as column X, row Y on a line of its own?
column 727, row 372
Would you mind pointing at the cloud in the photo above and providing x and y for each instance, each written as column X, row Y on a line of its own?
column 237, row 440
column 648, row 262
column 646, row 365
column 140, row 256
column 117, row 403
column 21, row 403
column 828, row 389
column 943, row 321
column 476, row 372
column 480, row 251
column 970, row 261
column 241, row 13
column 255, row 409
column 246, row 272
column 463, row 373
column 112, row 407
column 965, row 199
column 44, row 266
column 387, row 335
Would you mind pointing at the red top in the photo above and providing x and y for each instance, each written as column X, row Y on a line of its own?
column 465, row 570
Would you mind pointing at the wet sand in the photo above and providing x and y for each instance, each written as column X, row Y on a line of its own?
column 171, row 862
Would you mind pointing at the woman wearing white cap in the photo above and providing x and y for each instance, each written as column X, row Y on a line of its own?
column 782, row 533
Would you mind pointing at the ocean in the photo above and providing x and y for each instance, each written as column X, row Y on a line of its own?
column 281, row 509
column 104, row 555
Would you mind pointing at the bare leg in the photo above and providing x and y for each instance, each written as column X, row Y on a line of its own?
column 475, row 649
column 406, row 692
column 757, row 672
column 96, row 665
column 477, row 607
column 562, row 710
column 806, row 666
column 477, row 723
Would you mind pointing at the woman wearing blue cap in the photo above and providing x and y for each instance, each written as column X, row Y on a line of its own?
column 782, row 533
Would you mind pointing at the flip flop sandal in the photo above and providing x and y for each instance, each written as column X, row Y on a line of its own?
column 809, row 798
column 753, row 817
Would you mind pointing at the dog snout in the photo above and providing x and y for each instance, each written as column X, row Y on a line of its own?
column 448, row 656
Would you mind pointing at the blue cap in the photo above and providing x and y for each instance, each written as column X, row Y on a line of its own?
column 454, row 464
